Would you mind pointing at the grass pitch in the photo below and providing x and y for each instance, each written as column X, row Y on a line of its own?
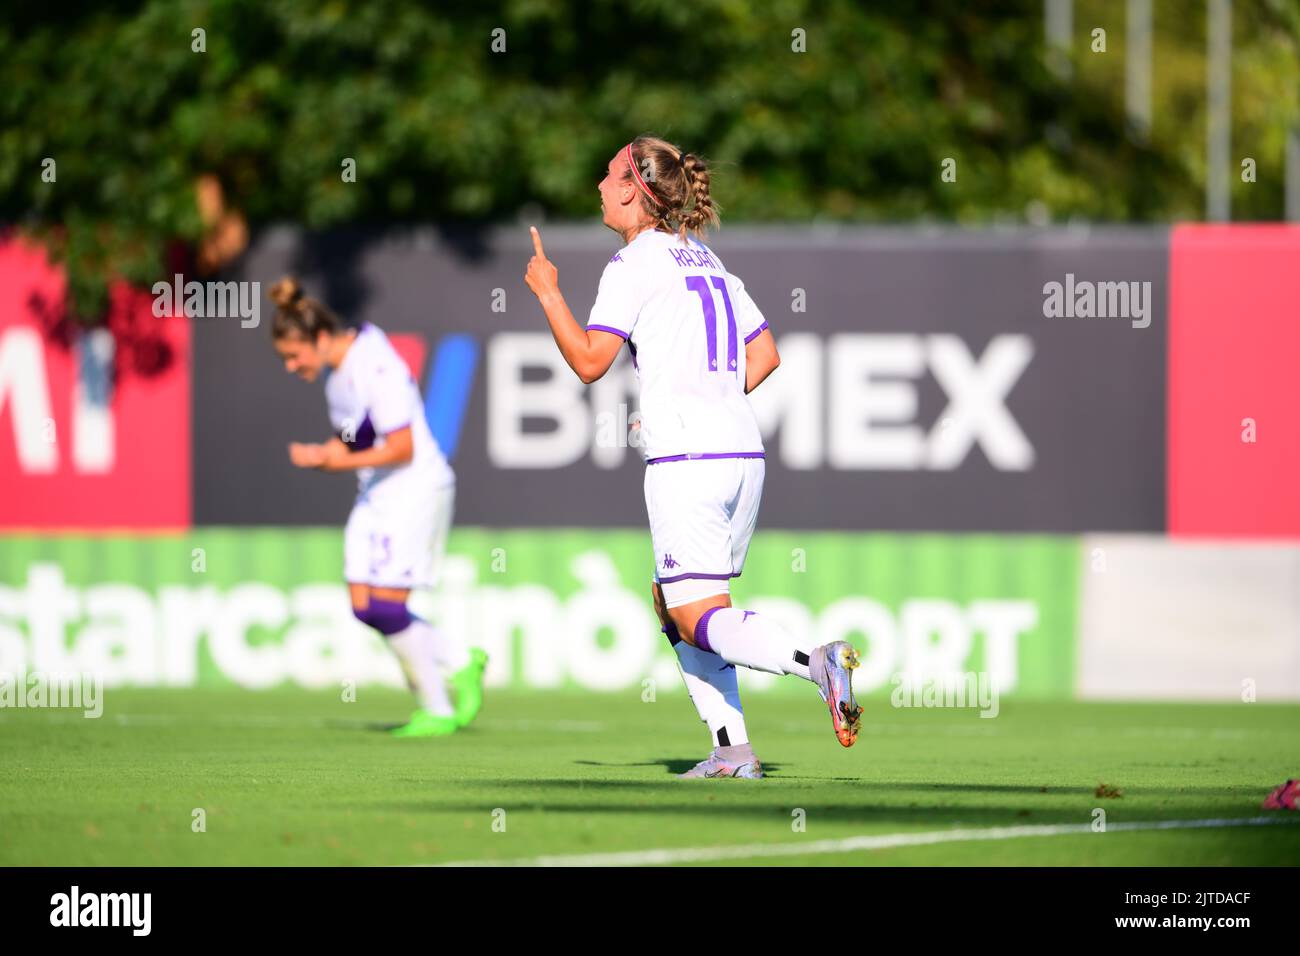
column 293, row 777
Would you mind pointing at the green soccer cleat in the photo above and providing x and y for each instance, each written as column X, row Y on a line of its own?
column 468, row 683
column 425, row 723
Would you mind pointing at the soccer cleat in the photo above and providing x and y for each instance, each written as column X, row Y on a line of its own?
column 715, row 766
column 1284, row 797
column 831, row 667
column 425, row 723
column 468, row 683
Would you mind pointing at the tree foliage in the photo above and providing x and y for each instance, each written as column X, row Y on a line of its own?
column 444, row 128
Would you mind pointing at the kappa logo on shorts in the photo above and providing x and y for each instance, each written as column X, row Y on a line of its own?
column 669, row 562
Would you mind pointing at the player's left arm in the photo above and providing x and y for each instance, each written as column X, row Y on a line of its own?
column 390, row 398
column 589, row 353
column 388, row 404
column 398, row 448
column 335, row 455
column 313, row 454
column 761, row 359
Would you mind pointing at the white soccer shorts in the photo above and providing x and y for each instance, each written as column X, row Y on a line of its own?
column 397, row 541
column 702, row 516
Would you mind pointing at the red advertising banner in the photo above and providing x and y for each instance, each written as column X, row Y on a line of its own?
column 1234, row 381
column 94, row 426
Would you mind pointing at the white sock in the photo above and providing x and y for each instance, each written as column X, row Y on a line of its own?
column 711, row 682
column 449, row 651
column 751, row 640
column 415, row 648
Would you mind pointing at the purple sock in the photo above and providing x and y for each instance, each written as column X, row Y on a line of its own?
column 388, row 617
column 702, row 630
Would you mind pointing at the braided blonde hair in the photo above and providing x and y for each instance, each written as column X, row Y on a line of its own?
column 679, row 181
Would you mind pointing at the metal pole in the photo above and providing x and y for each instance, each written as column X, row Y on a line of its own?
column 1293, row 175
column 1137, row 63
column 1058, row 28
column 1218, row 161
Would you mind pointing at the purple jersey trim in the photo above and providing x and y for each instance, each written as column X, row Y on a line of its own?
column 753, row 335
column 606, row 328
column 363, row 438
column 694, row 457
column 706, row 577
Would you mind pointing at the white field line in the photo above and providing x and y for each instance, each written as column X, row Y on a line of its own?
column 882, row 841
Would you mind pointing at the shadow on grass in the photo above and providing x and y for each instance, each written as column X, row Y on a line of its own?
column 715, row 807
column 671, row 765
column 871, row 804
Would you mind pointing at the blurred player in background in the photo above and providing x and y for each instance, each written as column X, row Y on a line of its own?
column 699, row 345
column 406, row 490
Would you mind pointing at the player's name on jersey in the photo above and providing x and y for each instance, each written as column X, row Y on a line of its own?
column 694, row 259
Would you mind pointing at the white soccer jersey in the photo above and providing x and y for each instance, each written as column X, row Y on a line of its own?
column 372, row 394
column 687, row 321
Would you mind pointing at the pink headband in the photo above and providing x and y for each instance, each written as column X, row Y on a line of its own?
column 636, row 174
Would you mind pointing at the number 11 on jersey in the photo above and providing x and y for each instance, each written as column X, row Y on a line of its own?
column 700, row 286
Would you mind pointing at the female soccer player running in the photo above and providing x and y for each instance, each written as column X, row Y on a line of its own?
column 700, row 345
column 398, row 526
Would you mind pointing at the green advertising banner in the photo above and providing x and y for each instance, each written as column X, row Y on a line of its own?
column 553, row 608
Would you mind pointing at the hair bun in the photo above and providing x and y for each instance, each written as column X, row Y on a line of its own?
column 286, row 292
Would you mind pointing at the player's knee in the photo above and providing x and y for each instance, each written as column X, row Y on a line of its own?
column 684, row 620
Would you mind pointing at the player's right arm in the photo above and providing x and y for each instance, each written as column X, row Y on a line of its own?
column 589, row 352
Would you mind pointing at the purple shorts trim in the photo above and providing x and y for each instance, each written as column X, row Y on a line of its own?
column 702, row 630
column 705, row 577
column 695, row 457
column 755, row 334
column 605, row 328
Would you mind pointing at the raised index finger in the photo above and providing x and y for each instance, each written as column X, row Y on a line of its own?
column 537, row 241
